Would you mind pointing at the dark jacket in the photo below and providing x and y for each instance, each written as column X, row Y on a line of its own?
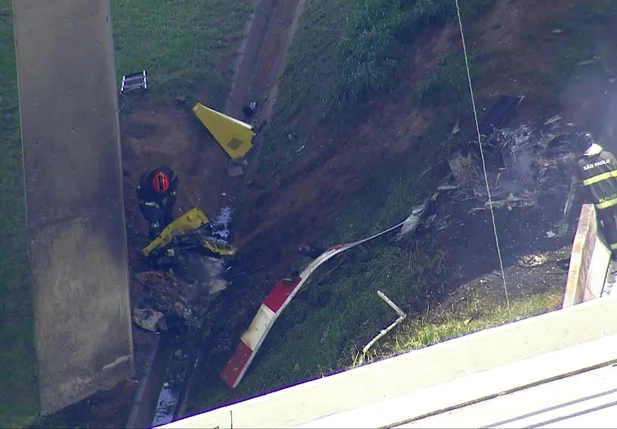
column 598, row 171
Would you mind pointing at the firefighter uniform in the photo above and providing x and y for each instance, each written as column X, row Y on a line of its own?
column 157, row 195
column 598, row 169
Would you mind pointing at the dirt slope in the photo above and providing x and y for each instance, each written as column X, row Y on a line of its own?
column 300, row 202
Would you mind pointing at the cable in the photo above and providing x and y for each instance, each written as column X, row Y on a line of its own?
column 488, row 190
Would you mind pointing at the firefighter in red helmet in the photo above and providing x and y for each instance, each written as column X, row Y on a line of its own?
column 156, row 192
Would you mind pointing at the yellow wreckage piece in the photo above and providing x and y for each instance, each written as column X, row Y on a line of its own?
column 189, row 221
column 233, row 135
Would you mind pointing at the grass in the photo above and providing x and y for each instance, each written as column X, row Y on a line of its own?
column 17, row 355
column 181, row 45
column 345, row 52
column 373, row 43
column 326, row 327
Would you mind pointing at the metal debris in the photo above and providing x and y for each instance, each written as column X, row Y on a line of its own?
column 412, row 222
column 148, row 319
column 500, row 113
column 463, row 166
column 250, row 109
column 525, row 200
column 456, row 128
column 553, row 120
column 531, row 261
column 401, row 317
column 447, row 187
column 235, row 171
column 588, row 62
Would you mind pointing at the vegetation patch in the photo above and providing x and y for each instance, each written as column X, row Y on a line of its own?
column 345, row 52
column 180, row 44
column 372, row 45
column 17, row 356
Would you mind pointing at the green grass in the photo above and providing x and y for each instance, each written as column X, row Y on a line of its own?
column 372, row 45
column 345, row 52
column 311, row 69
column 480, row 312
column 17, row 357
column 181, row 45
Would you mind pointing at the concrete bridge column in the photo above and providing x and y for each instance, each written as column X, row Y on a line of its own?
column 75, row 212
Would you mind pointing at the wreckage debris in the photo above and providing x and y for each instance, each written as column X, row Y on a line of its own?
column 149, row 320
column 285, row 290
column 463, row 166
column 500, row 114
column 250, row 109
column 171, row 303
column 401, row 316
column 234, row 136
column 234, row 171
column 531, row 261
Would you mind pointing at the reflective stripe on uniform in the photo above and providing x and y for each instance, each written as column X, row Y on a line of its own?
column 600, row 177
column 606, row 204
column 614, row 246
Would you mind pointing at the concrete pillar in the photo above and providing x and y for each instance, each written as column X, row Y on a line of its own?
column 75, row 212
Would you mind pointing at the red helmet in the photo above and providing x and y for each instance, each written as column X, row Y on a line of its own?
column 160, row 182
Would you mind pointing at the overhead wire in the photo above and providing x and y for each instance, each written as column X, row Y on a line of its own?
column 488, row 190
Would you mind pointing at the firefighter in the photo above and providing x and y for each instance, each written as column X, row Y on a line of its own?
column 156, row 192
column 598, row 171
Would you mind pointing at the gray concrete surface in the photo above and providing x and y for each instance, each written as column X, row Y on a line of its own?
column 417, row 370
column 586, row 400
column 75, row 213
column 451, row 397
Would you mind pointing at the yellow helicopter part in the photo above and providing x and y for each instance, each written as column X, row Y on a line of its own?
column 234, row 136
column 219, row 247
column 189, row 221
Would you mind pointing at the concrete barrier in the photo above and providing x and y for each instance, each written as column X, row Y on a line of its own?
column 477, row 388
column 589, row 260
column 75, row 212
column 417, row 370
